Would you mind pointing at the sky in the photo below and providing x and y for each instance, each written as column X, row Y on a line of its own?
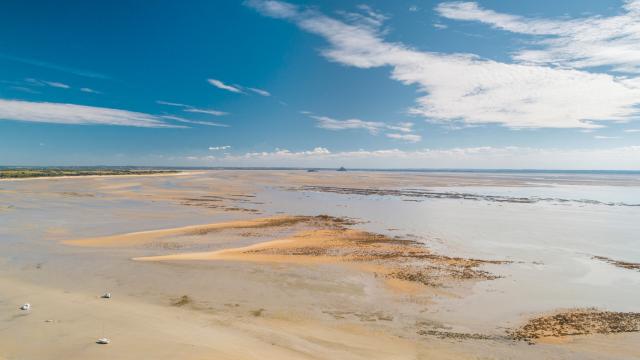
column 366, row 83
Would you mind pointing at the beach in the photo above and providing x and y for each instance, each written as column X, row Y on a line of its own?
column 290, row 264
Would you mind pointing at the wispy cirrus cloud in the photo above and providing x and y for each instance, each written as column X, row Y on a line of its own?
column 72, row 114
column 90, row 90
column 47, row 65
column 171, row 103
column 191, row 109
column 196, row 122
column 30, row 83
column 206, row 111
column 260, row 91
column 237, row 88
column 220, row 85
column 469, row 89
column 584, row 42
column 328, row 123
column 373, row 127
column 217, row 148
column 55, row 84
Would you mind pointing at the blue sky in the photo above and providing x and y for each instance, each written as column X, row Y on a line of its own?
column 488, row 84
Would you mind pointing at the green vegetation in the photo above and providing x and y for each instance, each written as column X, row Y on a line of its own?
column 16, row 173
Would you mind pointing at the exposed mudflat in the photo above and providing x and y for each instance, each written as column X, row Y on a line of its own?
column 578, row 322
column 619, row 263
column 246, row 265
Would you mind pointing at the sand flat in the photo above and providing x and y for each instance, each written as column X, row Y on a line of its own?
column 405, row 280
column 140, row 330
column 143, row 237
column 396, row 260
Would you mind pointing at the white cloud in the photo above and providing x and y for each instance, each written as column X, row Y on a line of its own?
column 276, row 9
column 220, row 85
column 621, row 158
column 260, row 91
column 413, row 8
column 171, row 104
column 36, row 82
column 203, row 111
column 405, row 127
column 59, row 113
column 89, row 90
column 328, row 123
column 191, row 109
column 57, row 84
column 217, row 148
column 373, row 127
column 196, row 122
column 571, row 42
column 406, row 137
column 632, row 130
column 439, row 26
column 237, row 88
column 469, row 89
column 603, row 137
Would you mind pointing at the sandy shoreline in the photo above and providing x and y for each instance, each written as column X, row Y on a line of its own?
column 180, row 173
column 232, row 265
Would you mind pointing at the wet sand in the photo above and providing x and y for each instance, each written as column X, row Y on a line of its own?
column 193, row 277
column 402, row 262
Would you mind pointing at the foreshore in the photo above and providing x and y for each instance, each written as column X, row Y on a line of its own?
column 250, row 265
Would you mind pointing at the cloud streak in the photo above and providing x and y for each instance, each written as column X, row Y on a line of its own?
column 220, row 85
column 47, row 65
column 204, row 111
column 237, row 88
column 195, row 122
column 469, row 89
column 71, row 114
column 191, row 109
column 328, row 123
column 90, row 90
column 260, row 91
column 373, row 127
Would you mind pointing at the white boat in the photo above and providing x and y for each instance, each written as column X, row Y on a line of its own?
column 106, row 296
column 103, row 341
column 25, row 307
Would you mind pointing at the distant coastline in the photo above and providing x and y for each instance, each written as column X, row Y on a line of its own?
column 25, row 173
column 141, row 170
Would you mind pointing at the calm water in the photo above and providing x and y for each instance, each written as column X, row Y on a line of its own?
column 551, row 242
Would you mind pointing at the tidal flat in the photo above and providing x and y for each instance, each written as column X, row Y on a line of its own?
column 286, row 264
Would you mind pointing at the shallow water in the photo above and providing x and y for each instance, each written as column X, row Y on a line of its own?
column 551, row 243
